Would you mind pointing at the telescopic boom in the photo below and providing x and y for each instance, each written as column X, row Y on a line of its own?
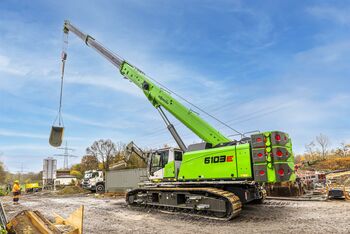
column 155, row 94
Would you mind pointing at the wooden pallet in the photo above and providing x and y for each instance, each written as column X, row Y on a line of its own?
column 34, row 222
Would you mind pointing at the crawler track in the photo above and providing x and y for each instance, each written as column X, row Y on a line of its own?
column 208, row 202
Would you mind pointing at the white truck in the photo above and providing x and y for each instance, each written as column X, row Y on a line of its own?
column 94, row 180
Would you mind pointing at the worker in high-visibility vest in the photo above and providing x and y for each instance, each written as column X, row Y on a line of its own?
column 16, row 190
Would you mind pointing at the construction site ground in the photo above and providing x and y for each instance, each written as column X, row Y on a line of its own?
column 111, row 215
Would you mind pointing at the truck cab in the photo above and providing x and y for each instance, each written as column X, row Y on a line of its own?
column 94, row 181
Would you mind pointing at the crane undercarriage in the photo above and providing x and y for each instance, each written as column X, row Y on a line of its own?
column 220, row 201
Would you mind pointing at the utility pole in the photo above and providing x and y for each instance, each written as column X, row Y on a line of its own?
column 21, row 172
column 66, row 154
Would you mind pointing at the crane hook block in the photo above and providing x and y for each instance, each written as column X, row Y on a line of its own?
column 56, row 136
column 64, row 56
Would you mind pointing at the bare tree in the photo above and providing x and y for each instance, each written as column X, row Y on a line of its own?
column 311, row 150
column 324, row 143
column 343, row 150
column 104, row 151
column 89, row 162
column 120, row 148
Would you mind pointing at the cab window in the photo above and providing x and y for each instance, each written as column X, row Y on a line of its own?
column 164, row 157
column 155, row 160
column 159, row 160
column 178, row 155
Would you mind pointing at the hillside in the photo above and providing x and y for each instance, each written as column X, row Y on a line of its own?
column 329, row 164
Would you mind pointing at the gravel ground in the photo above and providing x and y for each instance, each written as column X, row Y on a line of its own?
column 110, row 215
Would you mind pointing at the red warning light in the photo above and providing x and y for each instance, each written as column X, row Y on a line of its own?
column 260, row 155
column 280, row 172
column 278, row 137
column 258, row 139
column 279, row 153
column 261, row 172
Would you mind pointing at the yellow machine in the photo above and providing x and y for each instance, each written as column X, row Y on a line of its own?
column 32, row 187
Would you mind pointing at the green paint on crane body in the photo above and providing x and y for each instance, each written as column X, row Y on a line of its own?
column 228, row 163
column 169, row 170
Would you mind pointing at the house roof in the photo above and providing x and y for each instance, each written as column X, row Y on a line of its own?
column 65, row 176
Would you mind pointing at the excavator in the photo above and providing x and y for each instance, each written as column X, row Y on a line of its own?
column 210, row 179
column 130, row 150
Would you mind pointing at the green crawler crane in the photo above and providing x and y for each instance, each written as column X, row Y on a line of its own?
column 213, row 178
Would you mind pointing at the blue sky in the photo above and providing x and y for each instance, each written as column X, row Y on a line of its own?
column 257, row 65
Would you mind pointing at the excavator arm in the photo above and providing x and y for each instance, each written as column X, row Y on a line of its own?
column 133, row 148
column 155, row 94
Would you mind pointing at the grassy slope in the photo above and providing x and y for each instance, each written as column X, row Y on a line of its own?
column 330, row 164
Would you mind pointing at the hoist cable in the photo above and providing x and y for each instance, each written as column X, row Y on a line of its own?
column 64, row 58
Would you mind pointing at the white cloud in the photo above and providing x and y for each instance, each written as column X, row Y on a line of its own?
column 24, row 147
column 113, row 83
column 100, row 123
column 336, row 14
column 17, row 134
column 332, row 53
column 10, row 133
column 7, row 66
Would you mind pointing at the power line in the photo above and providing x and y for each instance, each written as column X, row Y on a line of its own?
column 279, row 107
column 190, row 103
column 164, row 130
column 66, row 155
column 240, row 119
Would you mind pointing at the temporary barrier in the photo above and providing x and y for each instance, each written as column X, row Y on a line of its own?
column 121, row 180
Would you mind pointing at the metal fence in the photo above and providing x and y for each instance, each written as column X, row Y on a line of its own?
column 121, row 180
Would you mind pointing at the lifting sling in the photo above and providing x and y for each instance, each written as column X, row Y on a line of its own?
column 56, row 135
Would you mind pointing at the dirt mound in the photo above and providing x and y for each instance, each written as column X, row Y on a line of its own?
column 69, row 190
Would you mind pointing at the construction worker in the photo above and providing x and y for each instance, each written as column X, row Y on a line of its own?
column 16, row 189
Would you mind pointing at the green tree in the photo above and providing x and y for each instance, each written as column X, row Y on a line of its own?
column 2, row 173
column 77, row 174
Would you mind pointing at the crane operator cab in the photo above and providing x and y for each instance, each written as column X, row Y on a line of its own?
column 164, row 164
